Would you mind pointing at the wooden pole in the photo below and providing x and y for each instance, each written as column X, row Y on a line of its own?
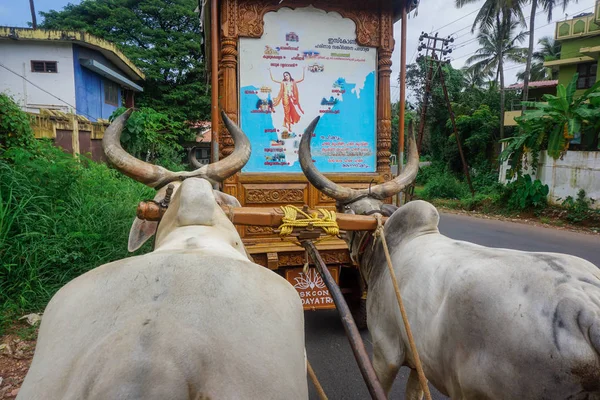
column 356, row 343
column 214, row 79
column 402, row 100
column 33, row 17
column 75, row 134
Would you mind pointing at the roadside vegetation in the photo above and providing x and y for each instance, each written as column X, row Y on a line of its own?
column 60, row 216
column 478, row 97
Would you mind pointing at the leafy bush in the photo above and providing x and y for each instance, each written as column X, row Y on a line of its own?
column 578, row 209
column 524, row 193
column 426, row 173
column 485, row 179
column 15, row 129
column 444, row 186
column 154, row 137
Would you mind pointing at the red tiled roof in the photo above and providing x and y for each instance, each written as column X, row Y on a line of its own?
column 205, row 137
column 534, row 84
column 204, row 134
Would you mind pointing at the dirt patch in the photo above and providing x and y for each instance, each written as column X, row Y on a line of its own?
column 16, row 353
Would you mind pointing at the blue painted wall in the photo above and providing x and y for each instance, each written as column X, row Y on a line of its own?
column 89, row 87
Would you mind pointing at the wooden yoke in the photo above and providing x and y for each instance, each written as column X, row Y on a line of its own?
column 260, row 216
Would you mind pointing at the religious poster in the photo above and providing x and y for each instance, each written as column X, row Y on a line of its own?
column 307, row 64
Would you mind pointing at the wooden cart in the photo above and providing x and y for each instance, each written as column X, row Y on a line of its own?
column 337, row 55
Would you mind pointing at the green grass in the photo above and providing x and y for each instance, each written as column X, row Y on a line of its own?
column 58, row 219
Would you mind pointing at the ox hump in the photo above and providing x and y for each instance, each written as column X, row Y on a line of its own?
column 413, row 219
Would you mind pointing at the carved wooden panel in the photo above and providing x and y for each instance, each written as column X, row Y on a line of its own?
column 295, row 259
column 245, row 18
column 250, row 16
column 258, row 231
column 263, row 194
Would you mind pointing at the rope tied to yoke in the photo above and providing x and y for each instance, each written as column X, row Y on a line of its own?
column 327, row 222
column 379, row 233
column 290, row 221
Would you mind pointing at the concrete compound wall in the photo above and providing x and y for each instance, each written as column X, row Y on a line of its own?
column 577, row 170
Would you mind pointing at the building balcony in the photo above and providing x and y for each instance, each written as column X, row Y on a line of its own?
column 585, row 25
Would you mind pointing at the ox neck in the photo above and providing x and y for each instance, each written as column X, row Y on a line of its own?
column 205, row 240
column 363, row 246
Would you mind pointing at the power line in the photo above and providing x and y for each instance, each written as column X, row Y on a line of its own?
column 539, row 27
column 45, row 91
column 456, row 20
column 474, row 39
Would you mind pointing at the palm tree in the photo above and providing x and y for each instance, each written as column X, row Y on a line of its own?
column 548, row 6
column 497, row 15
column 549, row 51
column 474, row 79
column 490, row 9
column 496, row 44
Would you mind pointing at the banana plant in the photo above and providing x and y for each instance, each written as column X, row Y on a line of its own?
column 554, row 123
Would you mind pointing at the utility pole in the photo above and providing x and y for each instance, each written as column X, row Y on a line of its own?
column 33, row 18
column 432, row 45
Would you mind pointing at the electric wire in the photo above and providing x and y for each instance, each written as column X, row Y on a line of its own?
column 47, row 92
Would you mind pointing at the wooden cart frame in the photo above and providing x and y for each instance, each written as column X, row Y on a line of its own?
column 229, row 20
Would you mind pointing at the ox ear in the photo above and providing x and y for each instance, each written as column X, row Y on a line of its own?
column 226, row 199
column 140, row 232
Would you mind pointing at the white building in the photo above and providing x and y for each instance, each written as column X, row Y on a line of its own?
column 66, row 71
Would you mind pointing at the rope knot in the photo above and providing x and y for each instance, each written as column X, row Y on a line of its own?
column 327, row 221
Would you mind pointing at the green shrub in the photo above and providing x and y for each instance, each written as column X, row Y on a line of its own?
column 578, row 209
column 58, row 219
column 444, row 186
column 425, row 173
column 15, row 129
column 524, row 193
column 154, row 137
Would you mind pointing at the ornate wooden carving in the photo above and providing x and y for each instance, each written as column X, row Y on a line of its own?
column 384, row 124
column 323, row 198
column 274, row 196
column 228, row 68
column 251, row 16
column 329, row 256
column 259, row 230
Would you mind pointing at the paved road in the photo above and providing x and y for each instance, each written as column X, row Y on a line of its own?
column 327, row 346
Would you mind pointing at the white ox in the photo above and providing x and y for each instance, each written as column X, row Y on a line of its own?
column 488, row 323
column 194, row 319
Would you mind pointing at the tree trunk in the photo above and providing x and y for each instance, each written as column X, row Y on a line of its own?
column 33, row 18
column 529, row 53
column 502, row 99
column 501, row 27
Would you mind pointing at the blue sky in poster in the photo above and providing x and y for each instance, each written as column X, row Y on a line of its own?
column 334, row 150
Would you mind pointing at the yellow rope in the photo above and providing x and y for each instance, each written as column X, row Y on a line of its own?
column 290, row 220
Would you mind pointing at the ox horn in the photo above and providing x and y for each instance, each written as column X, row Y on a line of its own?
column 344, row 194
column 156, row 176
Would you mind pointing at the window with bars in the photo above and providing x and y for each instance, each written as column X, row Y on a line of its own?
column 587, row 75
column 44, row 66
column 111, row 93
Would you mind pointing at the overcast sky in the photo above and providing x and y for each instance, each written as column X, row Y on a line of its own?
column 431, row 16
